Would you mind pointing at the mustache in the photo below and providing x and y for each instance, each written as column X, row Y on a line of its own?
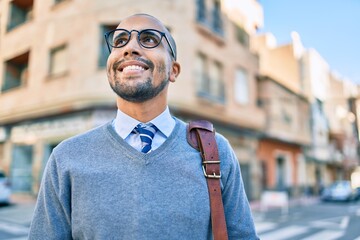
column 147, row 62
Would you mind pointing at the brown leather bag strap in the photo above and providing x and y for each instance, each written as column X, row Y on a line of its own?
column 201, row 135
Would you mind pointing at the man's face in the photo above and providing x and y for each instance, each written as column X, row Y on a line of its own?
column 137, row 74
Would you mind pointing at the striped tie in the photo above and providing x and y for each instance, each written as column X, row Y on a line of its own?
column 147, row 133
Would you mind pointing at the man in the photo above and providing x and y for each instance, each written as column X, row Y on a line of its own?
column 128, row 180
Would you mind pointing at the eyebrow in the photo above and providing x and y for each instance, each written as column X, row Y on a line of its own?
column 148, row 32
column 120, row 35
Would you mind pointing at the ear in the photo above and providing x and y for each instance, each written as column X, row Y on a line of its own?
column 175, row 71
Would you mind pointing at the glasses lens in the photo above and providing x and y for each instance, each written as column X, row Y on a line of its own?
column 118, row 38
column 150, row 38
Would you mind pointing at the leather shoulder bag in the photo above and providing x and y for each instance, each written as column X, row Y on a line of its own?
column 201, row 136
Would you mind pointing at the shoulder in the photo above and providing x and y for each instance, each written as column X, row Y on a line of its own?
column 229, row 161
column 222, row 142
column 179, row 123
column 87, row 140
column 226, row 152
column 224, row 147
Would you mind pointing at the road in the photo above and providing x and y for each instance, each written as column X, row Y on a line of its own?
column 316, row 221
column 15, row 220
column 310, row 221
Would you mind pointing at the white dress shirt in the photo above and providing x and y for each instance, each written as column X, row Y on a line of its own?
column 124, row 125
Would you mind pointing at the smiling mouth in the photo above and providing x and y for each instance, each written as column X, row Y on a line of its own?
column 137, row 65
column 133, row 68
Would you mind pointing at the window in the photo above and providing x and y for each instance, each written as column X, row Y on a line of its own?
column 216, row 19
column 242, row 36
column 59, row 62
column 201, row 11
column 201, row 73
column 16, row 72
column 210, row 84
column 241, row 86
column 217, row 89
column 210, row 18
column 20, row 12
column 319, row 105
column 104, row 51
column 285, row 116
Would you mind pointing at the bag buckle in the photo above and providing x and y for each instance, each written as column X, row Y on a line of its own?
column 213, row 175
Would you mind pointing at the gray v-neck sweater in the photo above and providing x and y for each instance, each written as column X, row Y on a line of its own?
column 96, row 186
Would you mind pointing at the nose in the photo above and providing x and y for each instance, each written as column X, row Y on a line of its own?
column 132, row 47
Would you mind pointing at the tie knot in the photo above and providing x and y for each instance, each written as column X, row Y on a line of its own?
column 147, row 133
column 146, row 128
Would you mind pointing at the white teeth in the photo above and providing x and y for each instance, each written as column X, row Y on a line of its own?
column 133, row 67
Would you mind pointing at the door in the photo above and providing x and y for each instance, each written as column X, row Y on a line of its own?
column 280, row 173
column 21, row 168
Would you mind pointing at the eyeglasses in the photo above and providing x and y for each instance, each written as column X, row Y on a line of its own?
column 147, row 38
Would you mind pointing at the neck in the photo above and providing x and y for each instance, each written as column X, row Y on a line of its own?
column 144, row 111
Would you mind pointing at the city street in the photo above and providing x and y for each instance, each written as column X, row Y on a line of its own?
column 15, row 218
column 314, row 221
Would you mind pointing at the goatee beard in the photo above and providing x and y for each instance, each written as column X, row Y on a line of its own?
column 140, row 93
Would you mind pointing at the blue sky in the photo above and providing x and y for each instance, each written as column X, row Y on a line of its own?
column 332, row 27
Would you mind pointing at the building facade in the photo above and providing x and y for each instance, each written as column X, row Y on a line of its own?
column 323, row 140
column 287, row 130
column 340, row 107
column 286, row 133
column 54, row 85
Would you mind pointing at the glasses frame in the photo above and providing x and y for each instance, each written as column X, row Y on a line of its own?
column 162, row 34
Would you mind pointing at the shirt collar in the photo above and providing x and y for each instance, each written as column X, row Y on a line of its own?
column 164, row 122
column 124, row 124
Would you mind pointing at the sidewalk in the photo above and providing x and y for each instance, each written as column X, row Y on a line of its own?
column 301, row 201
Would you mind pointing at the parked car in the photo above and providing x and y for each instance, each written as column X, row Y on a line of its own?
column 357, row 191
column 339, row 191
column 5, row 190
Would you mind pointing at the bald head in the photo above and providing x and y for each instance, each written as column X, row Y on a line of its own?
column 158, row 25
